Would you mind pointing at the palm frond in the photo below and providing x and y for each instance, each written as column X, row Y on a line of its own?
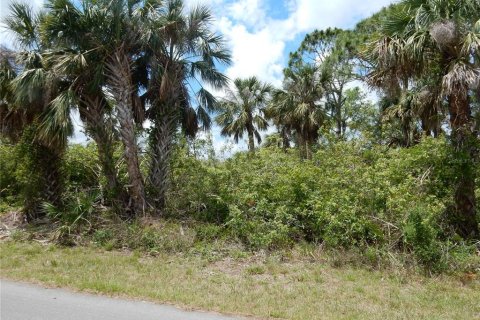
column 207, row 100
column 29, row 86
column 56, row 125
column 461, row 77
column 22, row 22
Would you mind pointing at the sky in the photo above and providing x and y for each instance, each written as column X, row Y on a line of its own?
column 260, row 35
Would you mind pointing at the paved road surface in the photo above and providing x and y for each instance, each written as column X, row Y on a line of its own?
column 28, row 302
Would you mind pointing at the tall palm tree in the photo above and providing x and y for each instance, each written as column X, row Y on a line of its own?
column 243, row 110
column 442, row 38
column 120, row 82
column 181, row 53
column 78, row 54
column 39, row 97
column 12, row 120
column 95, row 48
column 297, row 107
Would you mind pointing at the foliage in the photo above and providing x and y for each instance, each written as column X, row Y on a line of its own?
column 297, row 109
column 9, row 162
column 243, row 110
column 384, row 179
column 349, row 195
column 82, row 166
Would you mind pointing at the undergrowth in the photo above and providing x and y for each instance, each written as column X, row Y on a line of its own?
column 362, row 205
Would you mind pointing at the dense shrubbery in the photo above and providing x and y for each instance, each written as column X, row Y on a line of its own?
column 347, row 197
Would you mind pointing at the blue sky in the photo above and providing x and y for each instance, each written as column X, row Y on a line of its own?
column 261, row 33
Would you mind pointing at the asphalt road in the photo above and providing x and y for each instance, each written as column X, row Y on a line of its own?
column 21, row 301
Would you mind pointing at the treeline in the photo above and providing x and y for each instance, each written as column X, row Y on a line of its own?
column 124, row 63
column 423, row 57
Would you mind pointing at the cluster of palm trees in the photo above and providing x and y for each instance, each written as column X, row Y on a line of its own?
column 426, row 59
column 312, row 96
column 118, row 63
column 296, row 110
column 313, row 87
column 121, row 63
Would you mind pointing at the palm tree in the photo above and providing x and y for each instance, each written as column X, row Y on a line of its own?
column 76, row 33
column 297, row 107
column 441, row 38
column 417, row 111
column 12, row 119
column 243, row 110
column 38, row 100
column 181, row 53
column 95, row 45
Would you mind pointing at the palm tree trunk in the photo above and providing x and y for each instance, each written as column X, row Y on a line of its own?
column 425, row 128
column 464, row 145
column 107, row 161
column 285, row 140
column 406, row 135
column 251, row 140
column 46, row 167
column 161, row 147
column 302, row 146
column 102, row 133
column 53, row 176
column 308, row 148
column 120, row 81
column 338, row 120
column 127, row 133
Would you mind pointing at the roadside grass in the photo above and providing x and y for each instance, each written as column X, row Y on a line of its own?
column 265, row 287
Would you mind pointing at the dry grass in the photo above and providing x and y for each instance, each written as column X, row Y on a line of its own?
column 264, row 287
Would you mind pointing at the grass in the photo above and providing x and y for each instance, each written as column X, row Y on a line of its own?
column 263, row 287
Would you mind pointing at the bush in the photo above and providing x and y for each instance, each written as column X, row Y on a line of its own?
column 8, row 166
column 421, row 235
column 348, row 196
column 10, row 186
column 82, row 167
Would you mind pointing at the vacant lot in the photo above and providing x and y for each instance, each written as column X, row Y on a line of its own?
column 260, row 286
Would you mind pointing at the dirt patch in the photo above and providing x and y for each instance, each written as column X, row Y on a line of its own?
column 9, row 222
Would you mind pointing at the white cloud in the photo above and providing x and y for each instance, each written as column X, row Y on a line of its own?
column 250, row 12
column 320, row 14
column 258, row 42
column 210, row 3
column 78, row 134
column 253, row 53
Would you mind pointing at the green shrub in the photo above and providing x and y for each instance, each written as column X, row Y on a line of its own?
column 103, row 236
column 209, row 232
column 9, row 162
column 81, row 166
column 421, row 235
column 349, row 195
column 79, row 207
